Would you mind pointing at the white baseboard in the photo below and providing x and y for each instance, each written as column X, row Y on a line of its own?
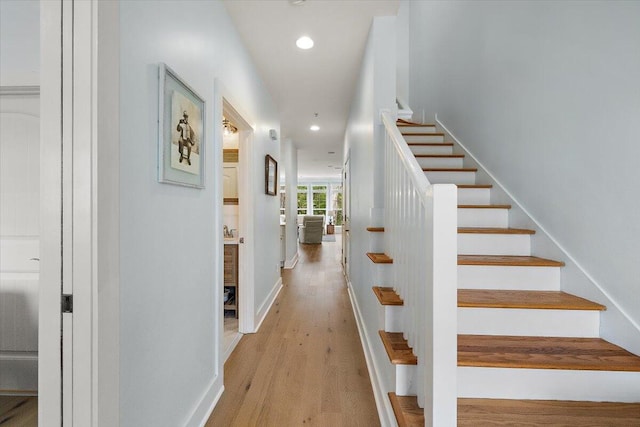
column 204, row 408
column 232, row 346
column 385, row 410
column 268, row 302
column 19, row 372
column 289, row 264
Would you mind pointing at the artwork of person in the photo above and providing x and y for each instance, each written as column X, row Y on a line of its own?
column 185, row 141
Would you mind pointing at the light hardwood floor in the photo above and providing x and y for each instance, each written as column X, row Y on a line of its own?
column 18, row 411
column 305, row 366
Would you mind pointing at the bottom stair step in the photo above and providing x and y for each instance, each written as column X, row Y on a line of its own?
column 502, row 412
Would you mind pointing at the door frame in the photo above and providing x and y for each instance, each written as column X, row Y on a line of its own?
column 246, row 192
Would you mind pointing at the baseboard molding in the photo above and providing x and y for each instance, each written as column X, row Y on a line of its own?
column 204, row 408
column 232, row 346
column 268, row 302
column 616, row 324
column 289, row 264
column 385, row 410
column 19, row 372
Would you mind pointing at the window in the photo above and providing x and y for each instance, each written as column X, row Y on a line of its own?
column 302, row 199
column 319, row 199
column 336, row 203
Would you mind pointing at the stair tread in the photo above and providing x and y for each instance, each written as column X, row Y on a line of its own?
column 484, row 206
column 405, row 133
column 474, row 185
column 439, row 156
column 397, row 348
column 450, row 169
column 501, row 412
column 473, row 412
column 493, row 230
column 407, row 411
column 375, row 229
column 402, row 122
column 430, row 144
column 379, row 258
column 387, row 296
column 554, row 300
column 508, row 260
column 500, row 351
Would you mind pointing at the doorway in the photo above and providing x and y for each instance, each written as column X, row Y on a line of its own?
column 237, row 226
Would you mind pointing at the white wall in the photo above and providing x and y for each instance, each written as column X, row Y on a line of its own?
column 171, row 236
column 375, row 91
column 546, row 95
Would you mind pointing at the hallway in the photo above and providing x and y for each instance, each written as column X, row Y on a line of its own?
column 305, row 366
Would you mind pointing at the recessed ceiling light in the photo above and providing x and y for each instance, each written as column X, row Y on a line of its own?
column 304, row 42
column 315, row 128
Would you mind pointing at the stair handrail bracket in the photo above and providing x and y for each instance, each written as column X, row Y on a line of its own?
column 421, row 237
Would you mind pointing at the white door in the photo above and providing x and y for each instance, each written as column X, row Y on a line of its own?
column 346, row 233
column 19, row 239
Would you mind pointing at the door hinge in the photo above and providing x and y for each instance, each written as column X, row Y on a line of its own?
column 67, row 303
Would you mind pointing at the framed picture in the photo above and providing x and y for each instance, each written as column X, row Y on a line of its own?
column 181, row 132
column 270, row 175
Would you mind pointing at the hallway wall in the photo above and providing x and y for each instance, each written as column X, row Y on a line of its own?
column 171, row 236
column 546, row 96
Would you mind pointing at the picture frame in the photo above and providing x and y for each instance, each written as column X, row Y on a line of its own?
column 270, row 176
column 181, row 131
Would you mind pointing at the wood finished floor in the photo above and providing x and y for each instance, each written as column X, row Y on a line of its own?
column 18, row 411
column 305, row 366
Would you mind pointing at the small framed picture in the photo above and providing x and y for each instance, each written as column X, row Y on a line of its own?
column 181, row 132
column 270, row 175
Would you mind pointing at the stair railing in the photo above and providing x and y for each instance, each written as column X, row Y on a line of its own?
column 421, row 237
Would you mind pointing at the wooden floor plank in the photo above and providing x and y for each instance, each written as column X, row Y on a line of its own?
column 18, row 411
column 502, row 412
column 544, row 353
column 397, row 348
column 505, row 260
column 379, row 258
column 305, row 366
column 387, row 296
column 555, row 300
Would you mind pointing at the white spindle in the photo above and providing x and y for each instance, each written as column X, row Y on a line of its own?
column 421, row 237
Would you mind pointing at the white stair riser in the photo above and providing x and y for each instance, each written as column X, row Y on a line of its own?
column 382, row 272
column 474, row 196
column 440, row 162
column 376, row 242
column 494, row 244
column 451, row 177
column 529, row 322
column 483, row 217
column 424, row 138
column 406, row 380
column 548, row 384
column 417, row 129
column 431, row 149
column 507, row 277
column 393, row 318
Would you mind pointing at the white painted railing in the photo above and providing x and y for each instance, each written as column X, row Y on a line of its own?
column 421, row 237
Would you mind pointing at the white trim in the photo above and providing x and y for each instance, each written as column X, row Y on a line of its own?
column 206, row 404
column 290, row 264
column 268, row 302
column 630, row 343
column 231, row 346
column 385, row 410
column 20, row 90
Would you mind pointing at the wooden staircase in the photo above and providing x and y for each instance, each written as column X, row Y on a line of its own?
column 528, row 353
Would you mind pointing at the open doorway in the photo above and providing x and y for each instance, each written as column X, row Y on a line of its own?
column 237, row 205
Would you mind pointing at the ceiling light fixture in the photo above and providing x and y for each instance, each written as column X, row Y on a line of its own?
column 227, row 127
column 315, row 128
column 304, row 42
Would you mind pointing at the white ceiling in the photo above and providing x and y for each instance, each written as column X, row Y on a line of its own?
column 319, row 80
